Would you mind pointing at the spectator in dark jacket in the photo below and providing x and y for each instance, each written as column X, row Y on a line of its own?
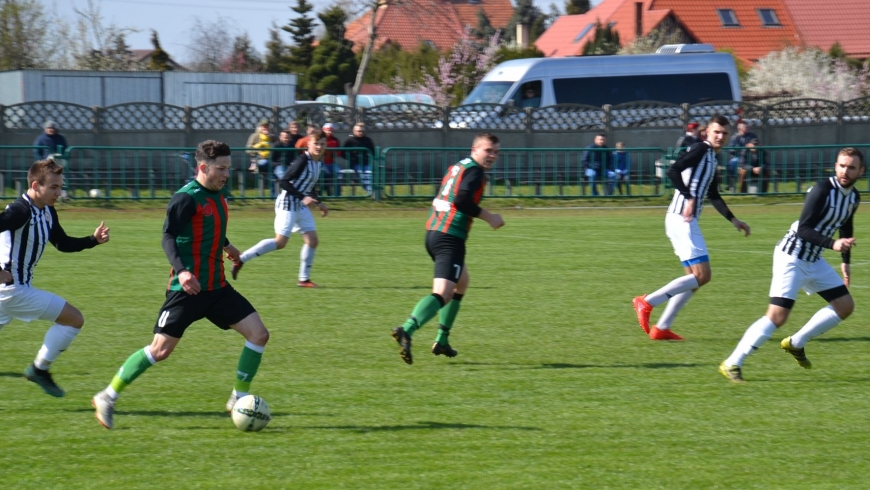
column 360, row 160
column 281, row 159
column 596, row 163
column 293, row 132
column 753, row 165
column 53, row 141
column 743, row 136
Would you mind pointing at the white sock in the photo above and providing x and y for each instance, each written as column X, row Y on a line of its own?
column 306, row 259
column 673, row 288
column 265, row 246
column 824, row 320
column 254, row 347
column 57, row 339
column 240, row 394
column 673, row 307
column 111, row 393
column 756, row 335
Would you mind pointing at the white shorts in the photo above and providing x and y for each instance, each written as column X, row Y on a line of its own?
column 791, row 274
column 27, row 303
column 687, row 239
column 287, row 222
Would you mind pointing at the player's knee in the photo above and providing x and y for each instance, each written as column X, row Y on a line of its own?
column 160, row 354
column 703, row 277
column 72, row 318
column 260, row 337
column 843, row 307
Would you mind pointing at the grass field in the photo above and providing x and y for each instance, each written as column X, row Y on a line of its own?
column 555, row 386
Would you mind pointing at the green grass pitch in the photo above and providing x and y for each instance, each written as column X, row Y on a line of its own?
column 555, row 385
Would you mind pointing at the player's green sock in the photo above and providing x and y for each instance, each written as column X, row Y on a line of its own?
column 134, row 366
column 446, row 317
column 249, row 362
column 423, row 312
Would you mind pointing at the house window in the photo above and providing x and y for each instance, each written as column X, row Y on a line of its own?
column 768, row 17
column 728, row 18
column 584, row 32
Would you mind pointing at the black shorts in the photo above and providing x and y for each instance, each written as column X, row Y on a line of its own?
column 448, row 252
column 223, row 307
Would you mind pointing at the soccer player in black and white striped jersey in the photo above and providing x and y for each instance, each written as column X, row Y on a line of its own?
column 693, row 176
column 291, row 210
column 797, row 263
column 26, row 227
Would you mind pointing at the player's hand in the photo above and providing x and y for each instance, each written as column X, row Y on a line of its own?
column 495, row 221
column 845, row 269
column 102, row 233
column 740, row 226
column 5, row 277
column 308, row 201
column 189, row 282
column 233, row 254
column 689, row 210
column 756, row 170
column 844, row 244
column 323, row 209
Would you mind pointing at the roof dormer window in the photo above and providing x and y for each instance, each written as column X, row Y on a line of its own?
column 728, row 18
column 768, row 18
column 584, row 32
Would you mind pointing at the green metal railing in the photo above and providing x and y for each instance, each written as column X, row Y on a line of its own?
column 404, row 172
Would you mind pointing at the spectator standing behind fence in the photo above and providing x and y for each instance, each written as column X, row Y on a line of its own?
column 48, row 142
column 359, row 160
column 596, row 163
column 753, row 165
column 260, row 139
column 293, row 132
column 621, row 168
column 281, row 159
column 331, row 170
column 743, row 136
column 691, row 136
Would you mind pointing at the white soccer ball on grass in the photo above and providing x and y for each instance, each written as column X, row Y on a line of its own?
column 251, row 413
column 95, row 193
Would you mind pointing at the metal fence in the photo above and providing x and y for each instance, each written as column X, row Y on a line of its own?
column 411, row 116
column 404, row 172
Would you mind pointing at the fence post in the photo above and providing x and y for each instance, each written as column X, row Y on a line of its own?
column 378, row 172
column 529, row 137
column 95, row 121
column 445, row 125
column 187, row 119
column 276, row 113
column 685, row 116
column 841, row 113
column 608, row 118
column 2, row 120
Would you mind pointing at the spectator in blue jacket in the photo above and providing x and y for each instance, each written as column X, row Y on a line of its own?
column 596, row 163
column 51, row 140
column 622, row 167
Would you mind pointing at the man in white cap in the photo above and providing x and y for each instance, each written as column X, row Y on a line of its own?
column 49, row 142
column 331, row 170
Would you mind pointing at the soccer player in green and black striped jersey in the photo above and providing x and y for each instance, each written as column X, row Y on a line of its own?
column 453, row 211
column 194, row 240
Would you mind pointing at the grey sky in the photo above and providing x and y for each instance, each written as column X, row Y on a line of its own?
column 171, row 18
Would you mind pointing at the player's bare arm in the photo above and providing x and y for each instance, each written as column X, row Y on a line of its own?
column 232, row 253
column 741, row 226
column 494, row 220
column 189, row 282
column 846, row 270
column 843, row 245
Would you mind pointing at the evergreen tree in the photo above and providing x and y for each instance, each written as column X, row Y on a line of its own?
column 333, row 62
column 526, row 12
column 276, row 60
column 301, row 29
column 576, row 7
column 606, row 41
column 484, row 29
column 159, row 58
column 244, row 57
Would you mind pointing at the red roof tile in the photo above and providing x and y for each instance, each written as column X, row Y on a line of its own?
column 412, row 22
column 821, row 24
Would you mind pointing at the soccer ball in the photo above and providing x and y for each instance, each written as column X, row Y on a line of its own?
column 251, row 413
column 95, row 193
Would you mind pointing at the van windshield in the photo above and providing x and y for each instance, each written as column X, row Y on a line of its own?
column 488, row 93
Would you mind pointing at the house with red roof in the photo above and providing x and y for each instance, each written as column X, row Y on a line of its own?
column 750, row 28
column 439, row 23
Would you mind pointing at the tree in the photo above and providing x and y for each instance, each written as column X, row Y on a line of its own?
column 576, row 7
column 210, row 44
column 301, row 29
column 333, row 62
column 838, row 53
column 277, row 59
column 484, row 29
column 665, row 33
column 808, row 73
column 244, row 58
column 526, row 12
column 391, row 62
column 159, row 58
column 606, row 41
column 23, row 35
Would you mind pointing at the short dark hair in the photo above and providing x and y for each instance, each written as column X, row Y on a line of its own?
column 315, row 134
column 485, row 136
column 40, row 170
column 286, row 131
column 848, row 151
column 720, row 120
column 600, row 134
column 210, row 150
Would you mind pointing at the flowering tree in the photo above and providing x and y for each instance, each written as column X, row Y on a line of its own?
column 808, row 74
column 456, row 73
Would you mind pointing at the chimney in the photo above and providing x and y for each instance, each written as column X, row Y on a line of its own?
column 523, row 35
column 638, row 19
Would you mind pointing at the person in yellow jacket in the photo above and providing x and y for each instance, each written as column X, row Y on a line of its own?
column 259, row 142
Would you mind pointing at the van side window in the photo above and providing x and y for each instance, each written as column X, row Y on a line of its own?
column 528, row 95
column 676, row 89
